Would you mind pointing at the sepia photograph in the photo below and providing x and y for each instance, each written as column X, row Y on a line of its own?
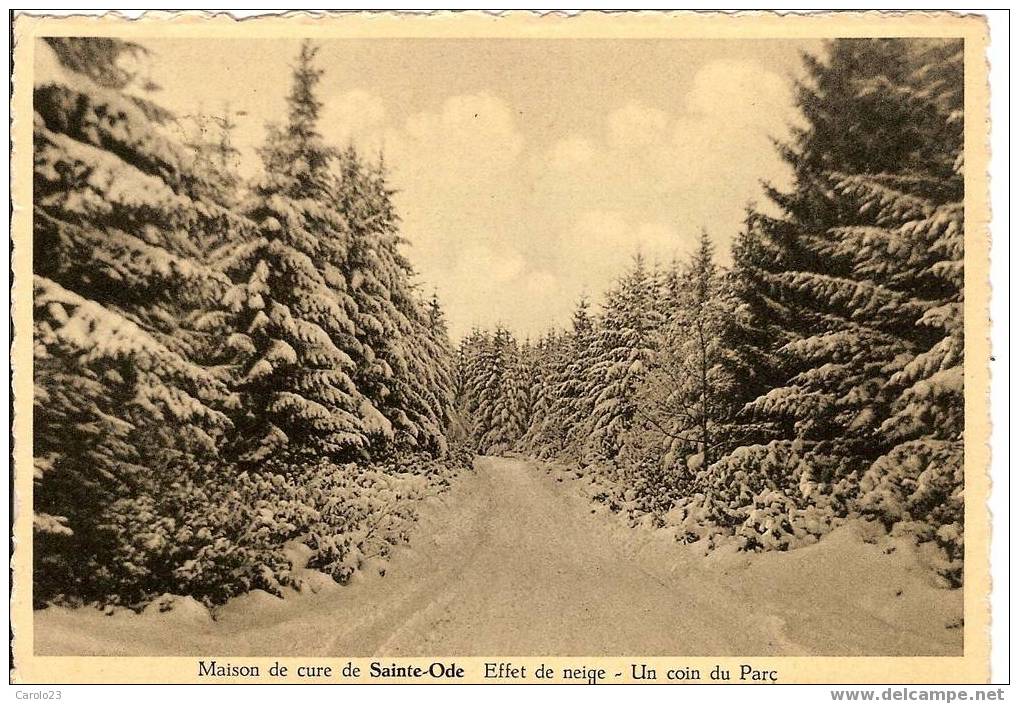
column 396, row 348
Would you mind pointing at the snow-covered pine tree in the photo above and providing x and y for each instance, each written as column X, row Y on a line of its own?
column 531, row 396
column 574, row 397
column 753, row 332
column 671, row 288
column 118, row 212
column 687, row 405
column 860, row 281
column 497, row 423
column 526, row 386
column 514, row 408
column 547, row 365
column 621, row 351
column 403, row 364
column 291, row 307
column 209, row 136
column 438, row 380
column 844, row 321
column 469, row 388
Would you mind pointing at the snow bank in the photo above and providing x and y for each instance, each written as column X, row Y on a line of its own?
column 856, row 590
column 517, row 560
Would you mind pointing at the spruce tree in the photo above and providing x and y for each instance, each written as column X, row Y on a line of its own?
column 439, row 378
column 402, row 365
column 514, row 407
column 209, row 136
column 859, row 281
column 688, row 403
column 120, row 288
column 481, row 365
column 847, row 319
column 545, row 367
column 469, row 362
column 574, row 400
column 292, row 308
column 621, row 351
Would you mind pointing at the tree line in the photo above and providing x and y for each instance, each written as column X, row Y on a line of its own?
column 819, row 376
column 221, row 367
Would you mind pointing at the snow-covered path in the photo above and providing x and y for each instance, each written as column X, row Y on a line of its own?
column 541, row 574
column 509, row 562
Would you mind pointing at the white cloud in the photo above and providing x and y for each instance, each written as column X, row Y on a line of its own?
column 649, row 180
column 469, row 133
column 598, row 246
column 513, row 236
column 490, row 282
column 571, row 152
column 454, row 167
column 544, row 287
column 489, row 265
column 511, row 217
column 355, row 115
column 635, row 126
column 658, row 241
column 737, row 91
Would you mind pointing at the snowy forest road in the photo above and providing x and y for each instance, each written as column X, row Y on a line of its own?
column 511, row 561
column 539, row 574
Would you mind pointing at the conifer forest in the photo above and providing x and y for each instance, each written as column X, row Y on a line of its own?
column 241, row 382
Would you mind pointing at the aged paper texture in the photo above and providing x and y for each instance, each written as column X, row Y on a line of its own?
column 461, row 347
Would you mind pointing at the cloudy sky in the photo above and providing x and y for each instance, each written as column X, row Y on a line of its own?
column 529, row 171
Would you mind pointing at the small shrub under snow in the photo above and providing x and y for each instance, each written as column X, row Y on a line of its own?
column 216, row 532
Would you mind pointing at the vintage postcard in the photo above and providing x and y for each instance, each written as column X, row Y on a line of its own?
column 463, row 347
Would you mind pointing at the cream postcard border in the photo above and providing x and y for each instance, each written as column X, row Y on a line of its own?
column 972, row 667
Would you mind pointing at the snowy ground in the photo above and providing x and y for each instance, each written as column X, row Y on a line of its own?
column 515, row 560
